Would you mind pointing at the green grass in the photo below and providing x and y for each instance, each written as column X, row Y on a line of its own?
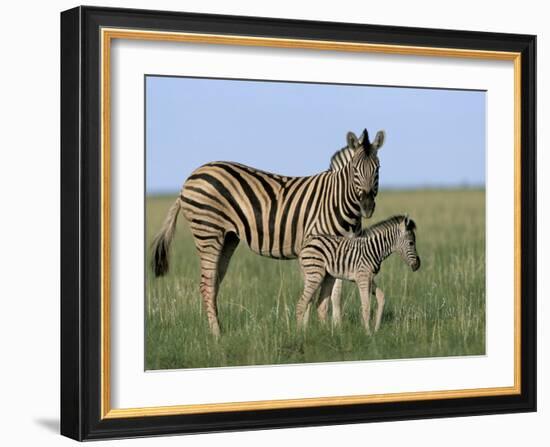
column 437, row 311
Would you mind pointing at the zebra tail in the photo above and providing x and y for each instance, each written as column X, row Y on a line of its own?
column 162, row 241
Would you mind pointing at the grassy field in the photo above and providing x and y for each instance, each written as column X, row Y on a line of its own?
column 437, row 311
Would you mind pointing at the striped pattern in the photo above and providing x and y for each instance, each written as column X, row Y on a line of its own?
column 226, row 202
column 341, row 159
column 268, row 212
column 325, row 258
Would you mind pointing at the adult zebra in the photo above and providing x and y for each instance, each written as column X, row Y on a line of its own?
column 225, row 202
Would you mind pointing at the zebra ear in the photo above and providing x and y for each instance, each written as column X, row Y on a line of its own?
column 353, row 142
column 409, row 223
column 378, row 140
column 404, row 223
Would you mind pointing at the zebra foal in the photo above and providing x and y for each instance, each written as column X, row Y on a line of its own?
column 325, row 258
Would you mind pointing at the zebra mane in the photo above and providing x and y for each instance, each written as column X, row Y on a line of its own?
column 340, row 158
column 390, row 222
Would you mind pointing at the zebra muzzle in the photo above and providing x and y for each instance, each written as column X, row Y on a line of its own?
column 367, row 205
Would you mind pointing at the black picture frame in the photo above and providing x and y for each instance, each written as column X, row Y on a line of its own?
column 81, row 223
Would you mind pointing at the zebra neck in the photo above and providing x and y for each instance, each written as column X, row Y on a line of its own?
column 340, row 211
column 351, row 198
column 386, row 244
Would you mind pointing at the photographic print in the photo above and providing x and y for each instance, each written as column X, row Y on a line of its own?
column 296, row 222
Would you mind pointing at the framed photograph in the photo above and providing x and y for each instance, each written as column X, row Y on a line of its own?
column 276, row 223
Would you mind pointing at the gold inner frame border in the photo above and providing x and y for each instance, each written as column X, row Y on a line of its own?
column 107, row 35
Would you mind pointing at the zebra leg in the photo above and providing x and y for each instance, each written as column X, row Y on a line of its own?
column 322, row 309
column 364, row 285
column 231, row 242
column 311, row 284
column 305, row 318
column 336, row 298
column 210, row 250
column 209, row 291
column 380, row 308
column 324, row 295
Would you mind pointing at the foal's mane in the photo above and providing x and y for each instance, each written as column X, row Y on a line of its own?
column 388, row 223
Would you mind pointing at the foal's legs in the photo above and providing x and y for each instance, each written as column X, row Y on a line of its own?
column 312, row 281
column 322, row 310
column 336, row 298
column 324, row 295
column 380, row 308
column 364, row 284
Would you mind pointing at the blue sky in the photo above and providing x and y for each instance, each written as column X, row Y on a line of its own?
column 434, row 138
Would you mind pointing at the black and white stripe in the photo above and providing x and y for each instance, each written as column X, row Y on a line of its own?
column 341, row 158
